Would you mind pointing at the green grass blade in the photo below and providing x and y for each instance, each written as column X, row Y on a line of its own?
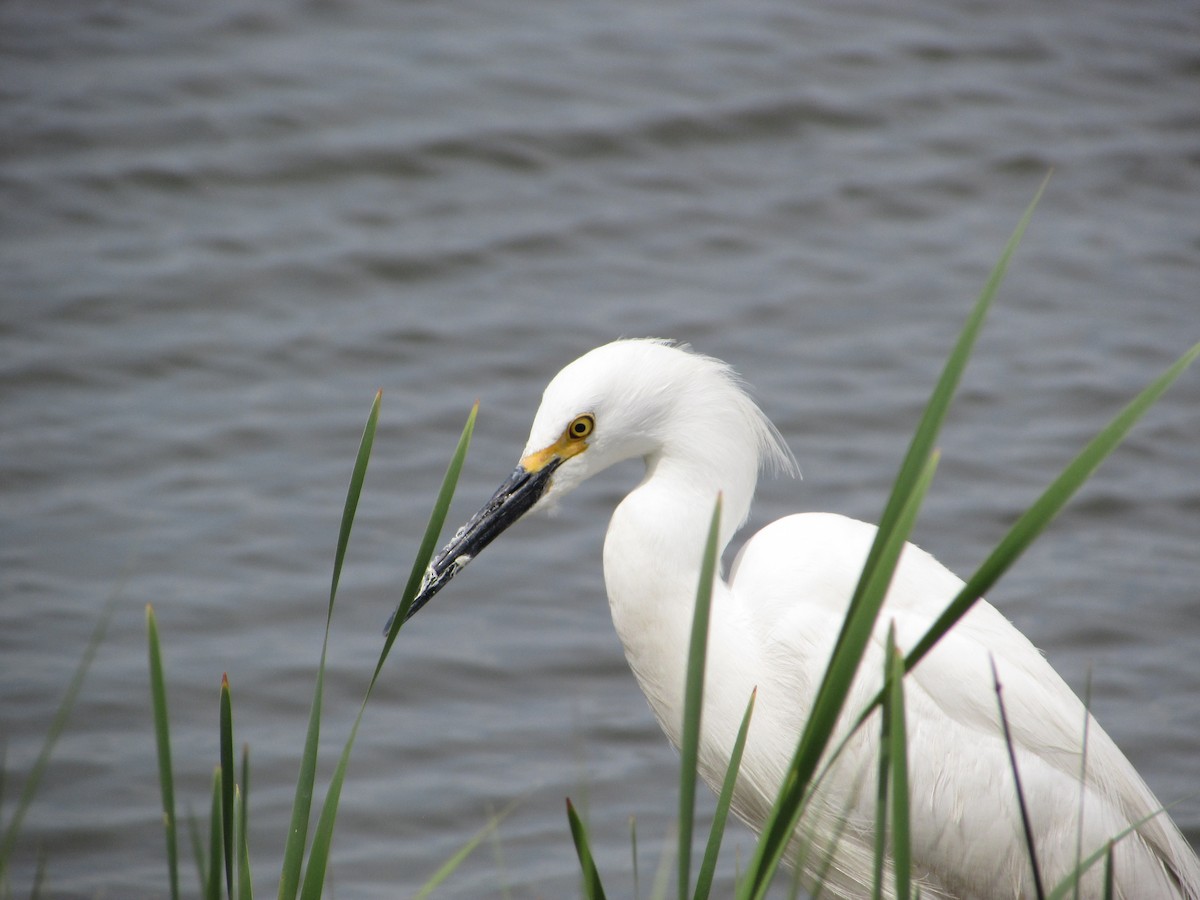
column 293, row 855
column 633, row 847
column 592, row 888
column 215, row 842
column 245, row 884
column 708, row 866
column 357, row 476
column 314, row 874
column 246, row 888
column 898, row 753
column 198, row 852
column 930, row 424
column 39, row 876
column 884, row 775
column 1069, row 881
column 1026, row 825
column 847, row 650
column 12, row 831
column 227, row 781
column 162, row 735
column 1048, row 505
column 1035, row 519
column 843, row 665
column 322, row 842
column 449, row 866
column 437, row 519
column 689, row 744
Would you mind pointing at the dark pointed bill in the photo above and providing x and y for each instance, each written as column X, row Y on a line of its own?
column 512, row 500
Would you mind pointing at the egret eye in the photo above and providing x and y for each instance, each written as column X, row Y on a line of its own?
column 581, row 427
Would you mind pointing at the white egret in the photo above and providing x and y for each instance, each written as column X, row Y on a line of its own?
column 773, row 624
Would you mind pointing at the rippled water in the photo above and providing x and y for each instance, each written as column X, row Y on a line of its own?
column 224, row 228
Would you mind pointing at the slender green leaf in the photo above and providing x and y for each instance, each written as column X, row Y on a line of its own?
column 162, row 735
column 215, row 843
column 930, row 424
column 429, row 540
column 293, row 855
column 245, row 884
column 592, row 888
column 227, row 781
column 843, row 664
column 633, row 846
column 898, row 752
column 39, row 875
column 1035, row 519
column 1047, row 506
column 708, row 866
column 245, row 889
column 883, row 776
column 314, row 874
column 357, row 476
column 1026, row 825
column 689, row 745
column 785, row 815
column 198, row 854
column 451, row 865
column 33, row 781
column 318, row 854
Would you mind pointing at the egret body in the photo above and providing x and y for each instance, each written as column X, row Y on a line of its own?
column 773, row 625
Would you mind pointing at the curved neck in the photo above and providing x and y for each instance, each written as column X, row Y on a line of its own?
column 652, row 555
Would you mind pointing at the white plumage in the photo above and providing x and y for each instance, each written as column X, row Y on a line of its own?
column 774, row 621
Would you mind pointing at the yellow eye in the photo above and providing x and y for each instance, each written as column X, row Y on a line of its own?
column 581, row 427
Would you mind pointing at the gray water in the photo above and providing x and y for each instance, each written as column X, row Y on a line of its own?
column 225, row 226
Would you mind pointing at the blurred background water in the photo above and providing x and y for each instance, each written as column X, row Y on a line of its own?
column 226, row 225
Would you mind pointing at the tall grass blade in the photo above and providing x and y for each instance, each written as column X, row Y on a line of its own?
column 314, row 874
column 785, row 815
column 162, row 737
column 198, row 853
column 293, row 854
column 708, row 866
column 12, row 831
column 245, row 884
column 246, row 890
column 430, row 539
column 449, row 866
column 637, row 893
column 212, row 881
column 318, row 854
column 1071, row 879
column 1035, row 519
column 898, row 753
column 884, row 775
column 1047, row 506
column 689, row 744
column 357, row 476
column 859, row 620
column 592, row 888
column 227, row 780
column 1030, row 848
column 930, row 424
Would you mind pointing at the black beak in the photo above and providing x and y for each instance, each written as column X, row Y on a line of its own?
column 512, row 500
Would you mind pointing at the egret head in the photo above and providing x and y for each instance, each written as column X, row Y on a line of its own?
column 628, row 399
